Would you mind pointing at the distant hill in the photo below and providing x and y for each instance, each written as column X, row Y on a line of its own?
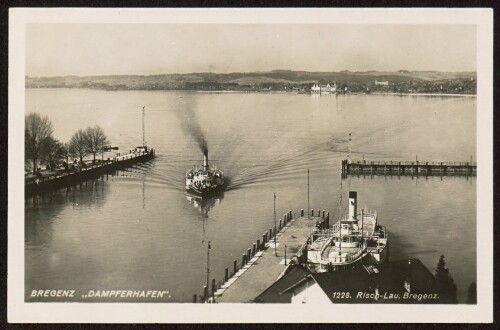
column 240, row 80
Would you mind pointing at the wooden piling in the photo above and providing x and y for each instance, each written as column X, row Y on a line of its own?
column 312, row 212
column 249, row 254
column 291, row 214
column 243, row 259
column 235, row 266
column 302, row 212
column 258, row 246
column 226, row 275
column 254, row 249
column 280, row 227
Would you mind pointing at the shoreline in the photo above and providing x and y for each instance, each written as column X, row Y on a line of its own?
column 256, row 92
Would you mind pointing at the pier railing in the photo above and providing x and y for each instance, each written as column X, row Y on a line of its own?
column 210, row 289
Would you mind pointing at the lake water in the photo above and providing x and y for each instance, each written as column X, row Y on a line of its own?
column 138, row 230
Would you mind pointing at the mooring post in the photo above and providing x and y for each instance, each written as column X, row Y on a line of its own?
column 243, row 260
column 249, row 254
column 254, row 249
column 285, row 219
column 301, row 212
column 312, row 212
column 270, row 233
column 263, row 239
column 258, row 245
column 281, row 225
column 235, row 266
column 205, row 293
column 226, row 275
column 324, row 214
column 291, row 214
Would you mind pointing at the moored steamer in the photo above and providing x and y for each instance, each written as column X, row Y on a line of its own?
column 351, row 240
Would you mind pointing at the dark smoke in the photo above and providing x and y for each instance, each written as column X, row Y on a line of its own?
column 190, row 125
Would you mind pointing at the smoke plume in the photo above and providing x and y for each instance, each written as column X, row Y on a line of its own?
column 190, row 125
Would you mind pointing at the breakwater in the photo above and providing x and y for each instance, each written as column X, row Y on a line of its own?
column 408, row 168
column 61, row 179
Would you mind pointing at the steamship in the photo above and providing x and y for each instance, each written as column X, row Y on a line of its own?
column 204, row 181
column 356, row 238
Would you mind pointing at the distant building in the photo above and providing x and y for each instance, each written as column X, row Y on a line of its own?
column 381, row 83
column 404, row 281
column 315, row 88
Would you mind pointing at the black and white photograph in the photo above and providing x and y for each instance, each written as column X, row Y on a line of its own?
column 195, row 165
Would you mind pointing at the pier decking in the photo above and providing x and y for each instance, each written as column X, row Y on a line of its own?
column 408, row 168
column 265, row 267
column 58, row 179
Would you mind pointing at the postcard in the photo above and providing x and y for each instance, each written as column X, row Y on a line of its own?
column 250, row 165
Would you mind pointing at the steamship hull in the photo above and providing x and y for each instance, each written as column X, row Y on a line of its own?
column 204, row 192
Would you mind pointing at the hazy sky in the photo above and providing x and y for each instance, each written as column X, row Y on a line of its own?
column 99, row 49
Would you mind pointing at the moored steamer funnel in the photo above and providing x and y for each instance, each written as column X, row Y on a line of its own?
column 353, row 205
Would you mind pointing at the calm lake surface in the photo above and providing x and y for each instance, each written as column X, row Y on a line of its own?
column 138, row 230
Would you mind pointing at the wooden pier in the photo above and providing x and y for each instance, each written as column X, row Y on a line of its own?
column 61, row 178
column 261, row 264
column 415, row 168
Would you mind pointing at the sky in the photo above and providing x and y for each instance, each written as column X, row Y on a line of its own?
column 58, row 49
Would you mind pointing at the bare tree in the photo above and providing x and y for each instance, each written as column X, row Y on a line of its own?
column 36, row 132
column 53, row 152
column 77, row 145
column 95, row 140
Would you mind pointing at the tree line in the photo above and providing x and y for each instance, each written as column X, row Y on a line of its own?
column 42, row 148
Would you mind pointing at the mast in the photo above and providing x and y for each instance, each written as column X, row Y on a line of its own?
column 308, row 209
column 143, row 126
column 208, row 262
column 275, row 251
column 349, row 148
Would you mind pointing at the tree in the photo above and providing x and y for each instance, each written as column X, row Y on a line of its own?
column 36, row 132
column 77, row 145
column 445, row 286
column 53, row 152
column 472, row 294
column 95, row 140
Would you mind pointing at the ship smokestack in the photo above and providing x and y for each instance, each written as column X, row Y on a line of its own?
column 353, row 205
column 205, row 160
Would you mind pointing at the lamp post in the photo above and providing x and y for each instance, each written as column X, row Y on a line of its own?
column 208, row 263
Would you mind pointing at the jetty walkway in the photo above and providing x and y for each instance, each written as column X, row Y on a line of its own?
column 267, row 265
column 55, row 179
column 407, row 168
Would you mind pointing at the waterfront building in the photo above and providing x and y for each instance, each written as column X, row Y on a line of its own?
column 403, row 281
column 315, row 88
